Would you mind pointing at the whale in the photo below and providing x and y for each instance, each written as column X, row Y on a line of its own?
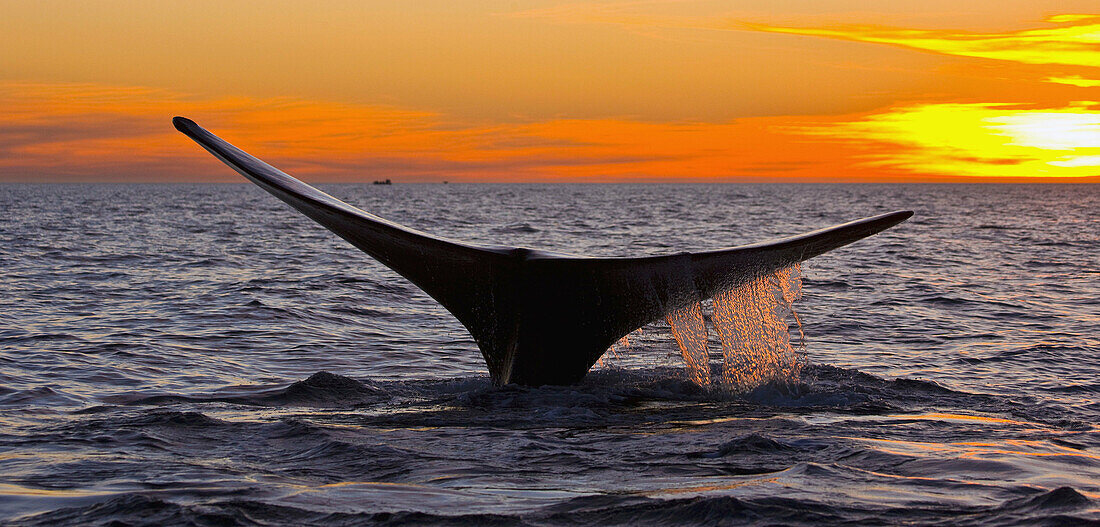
column 540, row 317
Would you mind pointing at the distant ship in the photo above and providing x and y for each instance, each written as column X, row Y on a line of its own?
column 383, row 182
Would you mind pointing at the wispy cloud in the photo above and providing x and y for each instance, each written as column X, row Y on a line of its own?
column 90, row 132
column 1075, row 80
column 1075, row 43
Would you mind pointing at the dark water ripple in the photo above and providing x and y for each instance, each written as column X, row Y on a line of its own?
column 200, row 355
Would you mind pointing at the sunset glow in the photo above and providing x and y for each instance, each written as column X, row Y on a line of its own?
column 982, row 140
column 595, row 92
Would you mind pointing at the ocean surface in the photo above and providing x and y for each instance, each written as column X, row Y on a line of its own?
column 204, row 355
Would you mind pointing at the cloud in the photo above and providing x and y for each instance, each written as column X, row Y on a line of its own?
column 980, row 140
column 1075, row 80
column 78, row 132
column 1076, row 43
column 1058, row 19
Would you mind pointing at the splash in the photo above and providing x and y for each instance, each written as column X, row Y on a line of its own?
column 750, row 321
column 617, row 352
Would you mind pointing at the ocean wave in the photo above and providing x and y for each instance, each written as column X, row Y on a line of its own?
column 520, row 227
column 322, row 389
column 1057, row 507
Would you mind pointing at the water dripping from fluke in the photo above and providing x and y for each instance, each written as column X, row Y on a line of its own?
column 690, row 331
column 752, row 323
column 618, row 351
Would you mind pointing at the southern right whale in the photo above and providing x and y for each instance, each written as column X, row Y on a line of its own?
column 539, row 317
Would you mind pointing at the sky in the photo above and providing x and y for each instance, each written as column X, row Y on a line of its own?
column 509, row 91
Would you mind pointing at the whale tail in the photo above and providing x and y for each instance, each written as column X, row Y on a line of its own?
column 539, row 317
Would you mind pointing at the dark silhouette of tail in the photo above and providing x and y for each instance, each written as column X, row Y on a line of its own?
column 539, row 317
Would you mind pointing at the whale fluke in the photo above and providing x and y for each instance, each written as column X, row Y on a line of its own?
column 539, row 317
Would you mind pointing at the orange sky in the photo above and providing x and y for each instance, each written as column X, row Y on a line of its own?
column 803, row 90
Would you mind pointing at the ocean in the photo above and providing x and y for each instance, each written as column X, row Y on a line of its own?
column 205, row 355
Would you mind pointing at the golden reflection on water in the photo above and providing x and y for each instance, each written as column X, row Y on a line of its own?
column 18, row 490
column 711, row 488
column 964, row 417
column 975, row 450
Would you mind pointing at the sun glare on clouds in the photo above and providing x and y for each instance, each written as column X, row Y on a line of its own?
column 1075, row 80
column 981, row 139
column 1067, row 129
